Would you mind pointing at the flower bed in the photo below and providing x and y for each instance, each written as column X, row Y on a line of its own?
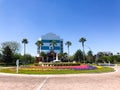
column 81, row 67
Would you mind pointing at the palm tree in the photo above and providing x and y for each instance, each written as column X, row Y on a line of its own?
column 68, row 43
column 25, row 41
column 82, row 40
column 39, row 44
column 52, row 44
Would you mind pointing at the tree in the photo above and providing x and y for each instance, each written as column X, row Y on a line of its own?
column 43, row 54
column 52, row 44
column 39, row 44
column 68, row 43
column 61, row 55
column 25, row 41
column 65, row 57
column 115, row 58
column 99, row 57
column 78, row 56
column 14, row 46
column 29, row 59
column 83, row 40
column 15, row 57
column 102, row 56
column 90, row 56
column 7, row 55
column 71, row 58
column 0, row 57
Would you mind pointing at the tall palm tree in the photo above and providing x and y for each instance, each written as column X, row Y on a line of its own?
column 83, row 40
column 39, row 43
column 25, row 41
column 52, row 44
column 68, row 43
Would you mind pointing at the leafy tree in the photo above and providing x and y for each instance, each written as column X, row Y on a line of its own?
column 116, row 58
column 39, row 44
column 104, row 57
column 99, row 57
column 61, row 55
column 83, row 40
column 68, row 43
column 43, row 55
column 0, row 57
column 52, row 44
column 78, row 56
column 71, row 58
column 90, row 56
column 7, row 55
column 29, row 59
column 14, row 46
column 17, row 56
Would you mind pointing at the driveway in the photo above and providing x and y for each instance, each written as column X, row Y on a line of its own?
column 102, row 81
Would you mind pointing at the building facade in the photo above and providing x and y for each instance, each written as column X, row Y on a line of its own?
column 47, row 47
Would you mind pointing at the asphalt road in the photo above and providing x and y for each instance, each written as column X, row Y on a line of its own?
column 103, row 81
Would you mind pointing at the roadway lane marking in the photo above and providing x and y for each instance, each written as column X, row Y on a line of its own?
column 41, row 85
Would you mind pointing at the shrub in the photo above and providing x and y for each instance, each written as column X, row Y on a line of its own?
column 57, row 64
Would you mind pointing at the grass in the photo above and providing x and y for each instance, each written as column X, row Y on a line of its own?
column 118, row 64
column 56, row 71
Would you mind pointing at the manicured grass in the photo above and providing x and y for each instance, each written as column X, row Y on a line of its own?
column 118, row 64
column 56, row 71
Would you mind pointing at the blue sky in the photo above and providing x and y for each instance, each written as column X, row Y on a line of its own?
column 96, row 20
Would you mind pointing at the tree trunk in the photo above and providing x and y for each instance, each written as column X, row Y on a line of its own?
column 83, row 52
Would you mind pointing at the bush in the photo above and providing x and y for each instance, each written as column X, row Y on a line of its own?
column 57, row 64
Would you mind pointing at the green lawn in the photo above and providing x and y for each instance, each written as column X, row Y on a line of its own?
column 56, row 71
column 118, row 64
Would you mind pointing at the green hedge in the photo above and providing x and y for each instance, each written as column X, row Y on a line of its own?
column 57, row 64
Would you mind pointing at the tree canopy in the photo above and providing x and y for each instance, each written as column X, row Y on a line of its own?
column 52, row 44
column 68, row 43
column 14, row 46
column 7, row 55
column 25, row 41
column 78, row 56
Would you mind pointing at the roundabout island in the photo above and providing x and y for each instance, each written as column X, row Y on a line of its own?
column 84, row 81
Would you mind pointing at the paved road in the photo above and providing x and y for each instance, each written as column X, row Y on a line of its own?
column 104, row 81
